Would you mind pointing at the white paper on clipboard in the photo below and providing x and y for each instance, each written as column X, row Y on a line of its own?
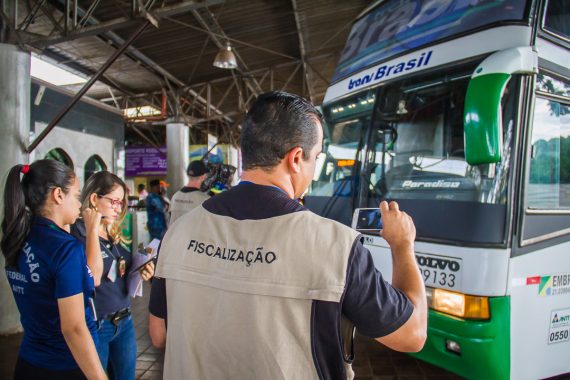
column 134, row 282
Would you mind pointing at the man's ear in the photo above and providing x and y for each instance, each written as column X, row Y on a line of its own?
column 57, row 195
column 294, row 158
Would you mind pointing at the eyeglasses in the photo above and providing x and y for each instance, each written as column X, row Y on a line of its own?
column 114, row 202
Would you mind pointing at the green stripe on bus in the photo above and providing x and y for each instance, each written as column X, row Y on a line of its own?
column 485, row 345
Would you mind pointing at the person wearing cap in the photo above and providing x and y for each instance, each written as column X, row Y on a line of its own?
column 190, row 196
column 261, row 287
column 155, row 209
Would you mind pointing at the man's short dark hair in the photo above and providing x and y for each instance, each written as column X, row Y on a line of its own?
column 141, row 186
column 276, row 123
column 154, row 183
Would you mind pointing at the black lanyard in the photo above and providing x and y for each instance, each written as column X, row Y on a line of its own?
column 121, row 262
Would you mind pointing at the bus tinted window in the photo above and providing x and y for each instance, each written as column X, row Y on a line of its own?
column 398, row 26
column 557, row 17
column 346, row 121
column 549, row 178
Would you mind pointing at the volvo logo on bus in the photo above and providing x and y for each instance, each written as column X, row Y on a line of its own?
column 388, row 70
column 438, row 263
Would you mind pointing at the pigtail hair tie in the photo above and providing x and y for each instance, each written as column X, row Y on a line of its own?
column 25, row 169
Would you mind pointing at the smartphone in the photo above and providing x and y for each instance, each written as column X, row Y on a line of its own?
column 142, row 265
column 367, row 220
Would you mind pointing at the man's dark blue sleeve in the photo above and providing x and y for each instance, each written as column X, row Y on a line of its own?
column 157, row 302
column 372, row 304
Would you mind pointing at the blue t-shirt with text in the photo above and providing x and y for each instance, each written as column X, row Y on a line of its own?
column 51, row 265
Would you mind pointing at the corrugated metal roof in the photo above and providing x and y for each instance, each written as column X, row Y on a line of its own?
column 263, row 33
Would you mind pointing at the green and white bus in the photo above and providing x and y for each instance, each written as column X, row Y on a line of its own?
column 460, row 111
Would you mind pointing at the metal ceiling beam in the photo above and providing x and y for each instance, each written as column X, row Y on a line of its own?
column 302, row 48
column 199, row 88
column 136, row 56
column 31, row 15
column 266, row 69
column 118, row 23
column 87, row 71
column 86, row 87
column 215, row 30
column 234, row 41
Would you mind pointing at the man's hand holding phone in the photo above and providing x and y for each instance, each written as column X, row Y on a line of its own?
column 398, row 227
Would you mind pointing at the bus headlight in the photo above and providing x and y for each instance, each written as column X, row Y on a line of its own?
column 458, row 304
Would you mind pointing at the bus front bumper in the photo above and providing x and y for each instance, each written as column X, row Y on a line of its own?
column 484, row 345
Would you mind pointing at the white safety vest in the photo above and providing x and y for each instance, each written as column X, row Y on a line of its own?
column 240, row 293
column 181, row 203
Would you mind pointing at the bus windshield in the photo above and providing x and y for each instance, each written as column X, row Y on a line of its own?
column 416, row 148
column 333, row 191
column 394, row 27
column 345, row 124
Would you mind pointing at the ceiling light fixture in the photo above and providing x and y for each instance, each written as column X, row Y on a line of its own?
column 226, row 59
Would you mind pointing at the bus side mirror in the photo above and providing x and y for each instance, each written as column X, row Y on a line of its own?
column 483, row 124
column 482, row 116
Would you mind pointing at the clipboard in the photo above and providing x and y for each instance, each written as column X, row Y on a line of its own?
column 143, row 264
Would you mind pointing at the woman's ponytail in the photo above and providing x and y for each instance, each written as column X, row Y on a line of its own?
column 26, row 198
column 17, row 219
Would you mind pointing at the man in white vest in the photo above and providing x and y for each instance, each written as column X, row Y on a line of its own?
column 266, row 289
column 190, row 196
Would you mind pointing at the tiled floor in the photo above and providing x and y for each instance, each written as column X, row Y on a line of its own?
column 149, row 359
column 373, row 361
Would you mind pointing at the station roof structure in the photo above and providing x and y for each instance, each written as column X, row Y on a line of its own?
column 290, row 45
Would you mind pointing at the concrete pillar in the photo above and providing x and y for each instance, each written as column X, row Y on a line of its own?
column 177, row 139
column 14, row 132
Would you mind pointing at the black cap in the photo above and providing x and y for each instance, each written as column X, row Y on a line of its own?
column 197, row 168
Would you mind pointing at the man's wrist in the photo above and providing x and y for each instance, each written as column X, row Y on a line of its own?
column 403, row 247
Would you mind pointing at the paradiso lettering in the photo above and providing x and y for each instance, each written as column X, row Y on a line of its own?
column 388, row 70
column 248, row 257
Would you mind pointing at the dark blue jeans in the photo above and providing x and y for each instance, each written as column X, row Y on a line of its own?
column 118, row 348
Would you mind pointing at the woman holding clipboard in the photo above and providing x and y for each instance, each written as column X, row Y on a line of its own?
column 110, row 263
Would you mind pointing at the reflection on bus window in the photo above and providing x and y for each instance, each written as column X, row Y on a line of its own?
column 60, row 155
column 420, row 147
column 549, row 178
column 345, row 123
column 398, row 26
column 546, row 83
column 557, row 17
